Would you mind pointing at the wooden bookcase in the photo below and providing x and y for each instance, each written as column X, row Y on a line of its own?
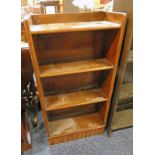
column 75, row 58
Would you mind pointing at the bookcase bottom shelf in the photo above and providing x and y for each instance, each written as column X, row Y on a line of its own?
column 74, row 128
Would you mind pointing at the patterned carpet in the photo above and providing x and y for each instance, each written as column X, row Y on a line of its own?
column 121, row 143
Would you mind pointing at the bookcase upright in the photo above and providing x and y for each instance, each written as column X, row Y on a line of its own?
column 75, row 58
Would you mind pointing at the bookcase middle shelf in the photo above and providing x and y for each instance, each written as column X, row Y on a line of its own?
column 73, row 99
column 74, row 67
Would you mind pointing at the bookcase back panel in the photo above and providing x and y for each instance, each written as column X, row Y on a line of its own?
column 110, row 44
column 65, row 18
column 69, row 83
column 77, row 82
column 64, row 47
column 71, row 112
column 75, row 111
column 74, row 46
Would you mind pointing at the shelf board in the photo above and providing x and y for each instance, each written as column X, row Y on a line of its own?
column 74, row 67
column 74, row 99
column 75, row 125
column 122, row 119
column 75, row 26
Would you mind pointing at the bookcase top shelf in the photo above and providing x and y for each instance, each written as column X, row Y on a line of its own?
column 73, row 26
column 74, row 67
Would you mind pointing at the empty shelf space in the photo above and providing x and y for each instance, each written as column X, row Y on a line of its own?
column 75, row 124
column 122, row 119
column 75, row 26
column 73, row 99
column 74, row 67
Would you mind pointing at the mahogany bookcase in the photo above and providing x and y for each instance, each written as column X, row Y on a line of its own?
column 75, row 58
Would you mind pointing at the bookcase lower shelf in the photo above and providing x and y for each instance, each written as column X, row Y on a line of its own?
column 75, row 127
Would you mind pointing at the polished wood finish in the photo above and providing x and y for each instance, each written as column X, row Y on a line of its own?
column 26, row 147
column 77, row 46
column 74, row 67
column 121, row 6
column 72, row 27
column 63, row 101
column 77, row 17
column 75, row 135
column 70, row 126
column 75, row 111
column 75, row 64
column 67, row 83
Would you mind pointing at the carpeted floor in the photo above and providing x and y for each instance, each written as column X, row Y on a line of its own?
column 121, row 143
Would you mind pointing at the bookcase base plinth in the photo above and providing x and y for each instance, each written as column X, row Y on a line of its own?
column 74, row 136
